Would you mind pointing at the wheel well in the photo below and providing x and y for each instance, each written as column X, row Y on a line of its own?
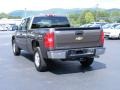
column 35, row 44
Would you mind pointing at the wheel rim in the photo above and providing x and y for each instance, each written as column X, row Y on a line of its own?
column 37, row 59
column 14, row 49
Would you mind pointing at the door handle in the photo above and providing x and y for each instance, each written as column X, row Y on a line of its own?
column 79, row 33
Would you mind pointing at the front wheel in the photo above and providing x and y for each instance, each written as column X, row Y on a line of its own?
column 86, row 62
column 15, row 48
column 39, row 62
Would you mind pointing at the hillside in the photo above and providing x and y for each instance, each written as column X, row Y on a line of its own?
column 57, row 11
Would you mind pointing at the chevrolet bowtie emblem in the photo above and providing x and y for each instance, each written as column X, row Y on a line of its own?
column 78, row 38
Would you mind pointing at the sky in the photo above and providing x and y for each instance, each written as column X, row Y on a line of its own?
column 11, row 5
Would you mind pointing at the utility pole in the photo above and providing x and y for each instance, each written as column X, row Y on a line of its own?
column 25, row 13
column 97, row 8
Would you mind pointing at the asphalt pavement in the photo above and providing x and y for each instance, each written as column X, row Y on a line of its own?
column 19, row 73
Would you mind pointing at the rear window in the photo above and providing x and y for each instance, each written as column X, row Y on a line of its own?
column 50, row 22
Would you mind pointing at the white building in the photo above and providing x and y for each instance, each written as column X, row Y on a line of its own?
column 10, row 21
column 6, row 24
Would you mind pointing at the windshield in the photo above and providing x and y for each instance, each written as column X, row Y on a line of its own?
column 117, row 27
column 107, row 26
column 111, row 26
column 50, row 22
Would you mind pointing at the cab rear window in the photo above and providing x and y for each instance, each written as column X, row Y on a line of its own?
column 50, row 22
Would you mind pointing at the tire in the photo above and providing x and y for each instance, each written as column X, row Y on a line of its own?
column 49, row 63
column 15, row 48
column 39, row 62
column 119, row 36
column 109, row 38
column 87, row 62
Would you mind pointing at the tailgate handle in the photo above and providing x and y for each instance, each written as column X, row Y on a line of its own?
column 79, row 33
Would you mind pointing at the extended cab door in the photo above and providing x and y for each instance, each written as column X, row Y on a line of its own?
column 22, row 35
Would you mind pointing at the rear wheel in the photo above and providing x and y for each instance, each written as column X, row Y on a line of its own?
column 15, row 48
column 39, row 62
column 87, row 62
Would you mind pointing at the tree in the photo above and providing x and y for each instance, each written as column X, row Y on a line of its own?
column 4, row 15
column 89, row 17
column 115, row 16
column 102, row 15
column 82, row 17
column 74, row 19
column 99, row 15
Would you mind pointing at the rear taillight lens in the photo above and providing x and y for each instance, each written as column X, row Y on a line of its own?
column 102, row 38
column 49, row 40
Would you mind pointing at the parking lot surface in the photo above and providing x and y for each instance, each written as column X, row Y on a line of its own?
column 19, row 73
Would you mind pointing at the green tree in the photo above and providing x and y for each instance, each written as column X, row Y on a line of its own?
column 102, row 15
column 4, row 15
column 89, row 17
column 82, row 17
column 74, row 19
column 115, row 16
column 99, row 15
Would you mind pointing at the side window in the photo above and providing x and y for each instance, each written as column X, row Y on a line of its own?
column 20, row 27
column 23, row 24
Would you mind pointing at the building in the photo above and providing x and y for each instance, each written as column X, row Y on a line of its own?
column 7, row 24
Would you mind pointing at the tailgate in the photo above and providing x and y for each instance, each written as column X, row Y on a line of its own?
column 76, row 38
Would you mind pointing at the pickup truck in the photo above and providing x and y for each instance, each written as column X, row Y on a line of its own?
column 51, row 37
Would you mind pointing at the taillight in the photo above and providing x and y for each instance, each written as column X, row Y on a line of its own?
column 102, row 38
column 49, row 40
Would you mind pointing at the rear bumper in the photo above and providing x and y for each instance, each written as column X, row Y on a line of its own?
column 66, row 54
column 99, row 51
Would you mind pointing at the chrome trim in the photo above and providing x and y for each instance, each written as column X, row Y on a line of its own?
column 61, row 54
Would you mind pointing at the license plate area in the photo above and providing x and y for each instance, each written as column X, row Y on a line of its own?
column 76, row 51
column 81, row 51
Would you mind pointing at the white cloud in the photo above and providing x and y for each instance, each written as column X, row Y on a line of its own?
column 10, row 5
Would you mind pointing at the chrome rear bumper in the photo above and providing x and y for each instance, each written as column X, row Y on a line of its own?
column 63, row 54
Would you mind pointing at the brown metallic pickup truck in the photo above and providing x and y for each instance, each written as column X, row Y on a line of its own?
column 51, row 37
